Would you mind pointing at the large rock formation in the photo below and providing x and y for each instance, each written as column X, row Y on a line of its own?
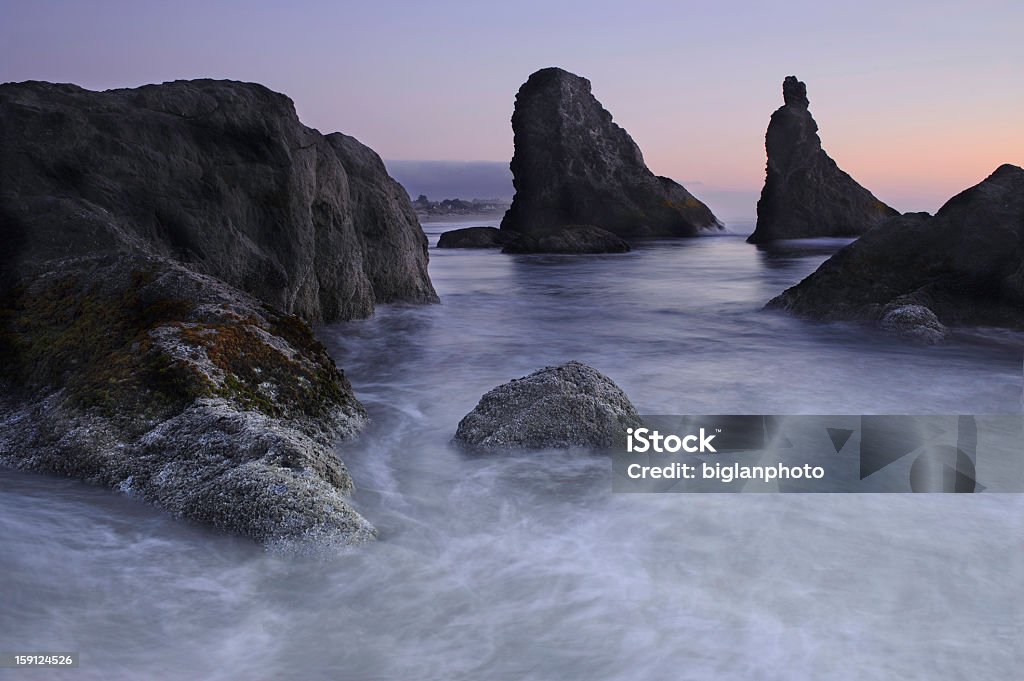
column 573, row 165
column 572, row 405
column 805, row 193
column 216, row 174
column 965, row 266
column 132, row 222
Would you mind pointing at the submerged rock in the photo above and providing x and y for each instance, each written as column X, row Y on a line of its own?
column 176, row 389
column 571, row 239
column 805, row 193
column 965, row 265
column 572, row 405
column 476, row 237
column 572, row 165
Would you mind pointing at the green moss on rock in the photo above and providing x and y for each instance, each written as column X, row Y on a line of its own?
column 67, row 331
column 97, row 342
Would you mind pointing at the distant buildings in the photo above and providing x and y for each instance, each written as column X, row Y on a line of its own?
column 425, row 206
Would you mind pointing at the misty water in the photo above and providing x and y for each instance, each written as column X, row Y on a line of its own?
column 527, row 566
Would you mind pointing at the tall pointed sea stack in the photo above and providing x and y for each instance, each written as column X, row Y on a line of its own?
column 574, row 166
column 805, row 193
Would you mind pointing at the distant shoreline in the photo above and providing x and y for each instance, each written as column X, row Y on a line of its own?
column 460, row 217
column 447, row 208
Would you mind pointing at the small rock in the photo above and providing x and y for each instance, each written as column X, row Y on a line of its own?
column 476, row 237
column 572, row 405
column 916, row 322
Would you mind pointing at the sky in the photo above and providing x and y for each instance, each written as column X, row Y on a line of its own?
column 916, row 100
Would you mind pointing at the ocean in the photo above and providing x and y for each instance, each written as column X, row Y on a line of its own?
column 526, row 566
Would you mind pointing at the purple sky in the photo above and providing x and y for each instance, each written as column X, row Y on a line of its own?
column 917, row 100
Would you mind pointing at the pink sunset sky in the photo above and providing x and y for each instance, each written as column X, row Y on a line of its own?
column 916, row 100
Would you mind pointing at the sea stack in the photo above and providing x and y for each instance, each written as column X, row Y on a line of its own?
column 805, row 193
column 918, row 274
column 573, row 166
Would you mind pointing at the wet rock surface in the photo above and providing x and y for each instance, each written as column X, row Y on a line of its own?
column 174, row 388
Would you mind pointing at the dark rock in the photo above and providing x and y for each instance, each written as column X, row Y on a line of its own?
column 571, row 239
column 965, row 264
column 125, row 362
column 216, row 174
column 476, row 237
column 172, row 387
column 805, row 193
column 571, row 405
column 573, row 165
column 394, row 247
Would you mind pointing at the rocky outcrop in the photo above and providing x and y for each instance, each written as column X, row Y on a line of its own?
column 805, row 193
column 174, row 388
column 571, row 239
column 156, row 243
column 965, row 266
column 571, row 405
column 216, row 174
column 476, row 237
column 572, row 165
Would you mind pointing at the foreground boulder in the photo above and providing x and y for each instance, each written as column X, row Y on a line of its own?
column 571, row 405
column 573, row 166
column 805, row 193
column 964, row 266
column 156, row 244
column 174, row 388
column 216, row 174
column 569, row 240
column 476, row 237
